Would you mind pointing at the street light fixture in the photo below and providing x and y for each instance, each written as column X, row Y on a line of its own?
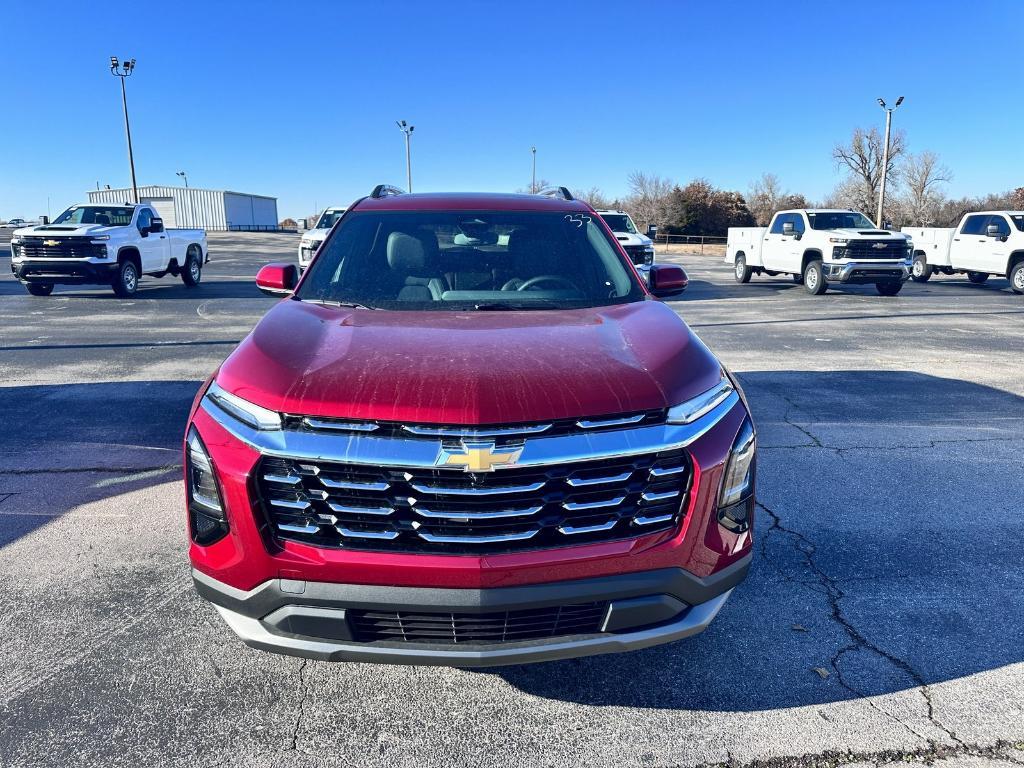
column 885, row 155
column 184, row 176
column 407, row 129
column 124, row 70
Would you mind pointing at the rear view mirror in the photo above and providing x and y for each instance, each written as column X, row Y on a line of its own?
column 277, row 279
column 667, row 280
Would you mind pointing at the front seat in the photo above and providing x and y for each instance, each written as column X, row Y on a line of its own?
column 102, row 219
column 412, row 258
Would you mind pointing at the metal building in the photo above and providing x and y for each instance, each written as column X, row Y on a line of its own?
column 209, row 209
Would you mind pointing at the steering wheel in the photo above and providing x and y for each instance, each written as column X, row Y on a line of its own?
column 547, row 279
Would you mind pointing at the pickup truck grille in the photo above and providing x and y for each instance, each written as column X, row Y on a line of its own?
column 58, row 248
column 638, row 254
column 478, row 628
column 868, row 249
column 448, row 511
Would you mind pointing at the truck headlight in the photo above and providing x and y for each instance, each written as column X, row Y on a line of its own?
column 839, row 240
column 17, row 240
column 736, row 497
column 207, row 521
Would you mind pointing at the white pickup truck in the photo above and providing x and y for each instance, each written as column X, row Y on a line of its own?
column 821, row 246
column 639, row 247
column 105, row 244
column 312, row 238
column 985, row 243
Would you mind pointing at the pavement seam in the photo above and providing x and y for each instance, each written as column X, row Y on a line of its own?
column 834, row 593
column 86, row 470
column 303, row 692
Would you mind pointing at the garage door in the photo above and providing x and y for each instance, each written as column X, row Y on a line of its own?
column 164, row 207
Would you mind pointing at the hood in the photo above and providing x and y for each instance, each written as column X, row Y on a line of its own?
column 866, row 234
column 628, row 238
column 315, row 235
column 469, row 367
column 64, row 230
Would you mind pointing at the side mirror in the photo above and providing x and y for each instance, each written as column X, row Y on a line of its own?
column 787, row 228
column 156, row 225
column 992, row 230
column 277, row 279
column 667, row 280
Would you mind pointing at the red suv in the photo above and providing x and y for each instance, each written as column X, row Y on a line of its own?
column 470, row 435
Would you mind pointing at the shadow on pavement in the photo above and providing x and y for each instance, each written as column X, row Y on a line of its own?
column 890, row 558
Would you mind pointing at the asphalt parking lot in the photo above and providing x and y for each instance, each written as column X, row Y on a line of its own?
column 882, row 621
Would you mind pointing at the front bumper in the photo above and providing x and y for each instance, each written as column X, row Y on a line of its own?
column 867, row 271
column 64, row 271
column 311, row 619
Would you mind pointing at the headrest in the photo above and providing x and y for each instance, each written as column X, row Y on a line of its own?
column 102, row 219
column 406, row 253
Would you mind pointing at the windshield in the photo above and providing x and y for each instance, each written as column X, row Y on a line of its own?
column 839, row 220
column 327, row 218
column 619, row 222
column 113, row 216
column 458, row 260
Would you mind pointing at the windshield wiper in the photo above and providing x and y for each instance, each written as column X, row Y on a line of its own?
column 492, row 306
column 333, row 303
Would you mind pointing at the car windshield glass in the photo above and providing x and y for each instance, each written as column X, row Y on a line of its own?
column 619, row 222
column 459, row 260
column 1018, row 220
column 839, row 220
column 327, row 219
column 107, row 216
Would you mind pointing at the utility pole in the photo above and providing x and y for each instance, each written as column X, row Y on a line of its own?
column 124, row 70
column 407, row 129
column 533, row 176
column 885, row 155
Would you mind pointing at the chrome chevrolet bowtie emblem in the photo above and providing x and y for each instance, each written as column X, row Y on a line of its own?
column 478, row 456
column 51, row 243
column 878, row 245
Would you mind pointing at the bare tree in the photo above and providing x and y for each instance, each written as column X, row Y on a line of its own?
column 647, row 196
column 594, row 196
column 922, row 175
column 529, row 190
column 763, row 198
column 862, row 158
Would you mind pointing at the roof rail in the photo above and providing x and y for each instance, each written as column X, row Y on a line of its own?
column 562, row 192
column 384, row 190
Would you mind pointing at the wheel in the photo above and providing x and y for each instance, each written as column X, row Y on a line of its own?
column 1017, row 277
column 814, row 279
column 39, row 289
column 741, row 271
column 798, row 279
column 977, row 277
column 922, row 270
column 193, row 271
column 889, row 289
column 126, row 281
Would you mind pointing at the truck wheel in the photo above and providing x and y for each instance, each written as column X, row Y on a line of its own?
column 741, row 271
column 193, row 271
column 922, row 270
column 814, row 279
column 39, row 289
column 126, row 281
column 1017, row 277
column 977, row 277
column 889, row 289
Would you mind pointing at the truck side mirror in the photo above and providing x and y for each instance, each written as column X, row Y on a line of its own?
column 788, row 228
column 277, row 279
column 992, row 230
column 156, row 225
column 667, row 280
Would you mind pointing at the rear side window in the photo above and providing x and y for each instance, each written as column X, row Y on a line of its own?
column 975, row 225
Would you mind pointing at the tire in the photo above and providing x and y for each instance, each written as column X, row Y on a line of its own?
column 193, row 271
column 814, row 279
column 741, row 272
column 798, row 279
column 126, row 281
column 921, row 270
column 889, row 289
column 1017, row 277
column 977, row 277
column 39, row 289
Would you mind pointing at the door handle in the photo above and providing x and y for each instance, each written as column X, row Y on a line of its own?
column 956, row 239
column 161, row 237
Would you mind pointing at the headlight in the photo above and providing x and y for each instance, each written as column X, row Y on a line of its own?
column 839, row 252
column 100, row 237
column 18, row 240
column 207, row 521
column 736, row 497
column 248, row 413
column 839, row 240
column 702, row 404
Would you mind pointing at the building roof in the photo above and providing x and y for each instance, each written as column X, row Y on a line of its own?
column 142, row 190
column 469, row 201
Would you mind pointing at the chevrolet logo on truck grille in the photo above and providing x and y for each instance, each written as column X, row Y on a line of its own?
column 879, row 245
column 478, row 456
column 51, row 243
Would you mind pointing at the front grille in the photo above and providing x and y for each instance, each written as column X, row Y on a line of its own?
column 865, row 249
column 447, row 511
column 638, row 253
column 65, row 248
column 478, row 628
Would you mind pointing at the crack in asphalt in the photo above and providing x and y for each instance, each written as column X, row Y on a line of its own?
column 929, row 755
column 303, row 691
column 86, row 470
column 834, row 594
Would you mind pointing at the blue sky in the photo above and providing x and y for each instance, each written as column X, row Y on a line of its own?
column 299, row 100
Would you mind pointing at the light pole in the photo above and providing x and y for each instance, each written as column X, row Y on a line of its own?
column 407, row 129
column 124, row 70
column 885, row 154
column 533, row 176
column 184, row 176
